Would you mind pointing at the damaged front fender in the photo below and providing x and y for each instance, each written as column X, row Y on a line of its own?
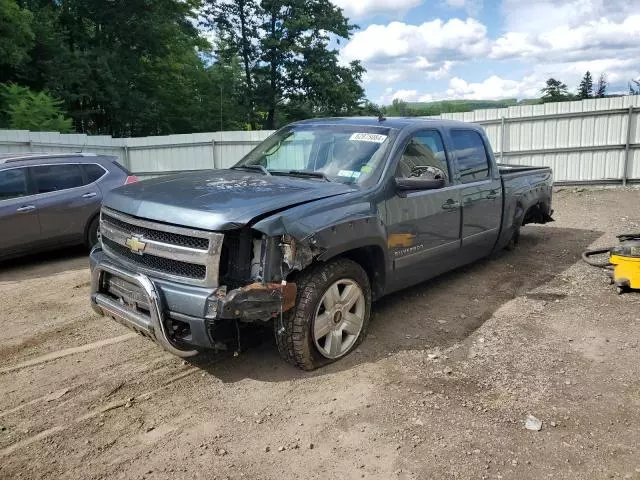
column 256, row 301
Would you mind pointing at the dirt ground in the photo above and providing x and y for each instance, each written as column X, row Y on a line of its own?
column 441, row 388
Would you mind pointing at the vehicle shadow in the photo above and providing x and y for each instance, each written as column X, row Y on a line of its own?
column 437, row 313
column 44, row 264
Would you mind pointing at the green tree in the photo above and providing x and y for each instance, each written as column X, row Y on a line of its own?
column 601, row 89
column 124, row 67
column 290, row 70
column 585, row 89
column 236, row 24
column 398, row 108
column 24, row 109
column 16, row 36
column 555, row 91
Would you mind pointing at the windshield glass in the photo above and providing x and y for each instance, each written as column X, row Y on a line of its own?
column 343, row 153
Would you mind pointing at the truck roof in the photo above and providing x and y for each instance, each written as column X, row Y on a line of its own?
column 390, row 122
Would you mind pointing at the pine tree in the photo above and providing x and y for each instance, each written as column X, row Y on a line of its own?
column 555, row 91
column 601, row 91
column 585, row 89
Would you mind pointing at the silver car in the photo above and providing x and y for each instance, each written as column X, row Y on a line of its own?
column 53, row 200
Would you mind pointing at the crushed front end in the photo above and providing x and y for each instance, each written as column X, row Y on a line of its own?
column 189, row 289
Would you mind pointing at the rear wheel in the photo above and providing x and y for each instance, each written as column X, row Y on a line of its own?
column 330, row 318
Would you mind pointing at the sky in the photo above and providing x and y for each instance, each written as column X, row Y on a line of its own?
column 426, row 50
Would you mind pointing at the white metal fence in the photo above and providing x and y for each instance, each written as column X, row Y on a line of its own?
column 590, row 141
column 145, row 156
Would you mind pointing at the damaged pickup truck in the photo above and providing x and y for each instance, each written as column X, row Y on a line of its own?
column 309, row 228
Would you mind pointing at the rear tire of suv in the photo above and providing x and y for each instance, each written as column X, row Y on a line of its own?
column 331, row 315
column 93, row 232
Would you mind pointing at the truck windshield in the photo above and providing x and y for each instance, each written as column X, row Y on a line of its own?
column 340, row 153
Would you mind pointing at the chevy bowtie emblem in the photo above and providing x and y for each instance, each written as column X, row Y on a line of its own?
column 135, row 244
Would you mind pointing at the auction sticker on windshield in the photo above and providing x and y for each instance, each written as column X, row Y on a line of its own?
column 368, row 137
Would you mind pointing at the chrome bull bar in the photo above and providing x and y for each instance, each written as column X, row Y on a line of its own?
column 152, row 325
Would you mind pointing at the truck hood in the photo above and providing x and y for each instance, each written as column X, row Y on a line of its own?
column 217, row 199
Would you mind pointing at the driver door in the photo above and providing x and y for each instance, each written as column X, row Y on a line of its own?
column 424, row 226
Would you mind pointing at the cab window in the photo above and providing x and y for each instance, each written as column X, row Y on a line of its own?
column 424, row 156
column 471, row 154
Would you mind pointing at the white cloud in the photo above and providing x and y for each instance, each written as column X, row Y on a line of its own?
column 406, row 95
column 444, row 40
column 565, row 39
column 594, row 39
column 492, row 88
column 550, row 38
column 366, row 8
column 544, row 15
column 399, row 51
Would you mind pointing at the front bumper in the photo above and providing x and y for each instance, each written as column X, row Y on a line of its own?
column 149, row 306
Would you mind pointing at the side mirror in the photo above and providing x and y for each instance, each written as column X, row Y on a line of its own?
column 416, row 183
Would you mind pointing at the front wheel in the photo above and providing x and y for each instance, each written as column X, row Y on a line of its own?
column 330, row 318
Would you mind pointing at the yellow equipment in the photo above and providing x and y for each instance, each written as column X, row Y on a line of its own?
column 623, row 262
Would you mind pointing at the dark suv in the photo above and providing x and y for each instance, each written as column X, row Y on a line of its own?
column 51, row 200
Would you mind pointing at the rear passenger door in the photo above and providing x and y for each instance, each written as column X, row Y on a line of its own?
column 481, row 194
column 19, row 225
column 67, row 200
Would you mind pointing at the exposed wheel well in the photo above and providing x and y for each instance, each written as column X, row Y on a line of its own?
column 536, row 214
column 371, row 259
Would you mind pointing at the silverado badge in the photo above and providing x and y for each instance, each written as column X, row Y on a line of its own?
column 135, row 244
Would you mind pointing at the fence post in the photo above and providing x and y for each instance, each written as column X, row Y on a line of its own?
column 213, row 153
column 502, row 140
column 627, row 148
column 127, row 161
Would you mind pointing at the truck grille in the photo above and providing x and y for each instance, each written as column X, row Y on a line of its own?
column 159, row 264
column 160, row 250
column 158, row 235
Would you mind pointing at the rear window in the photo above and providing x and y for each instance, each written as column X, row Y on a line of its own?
column 473, row 162
column 13, row 183
column 93, row 171
column 53, row 178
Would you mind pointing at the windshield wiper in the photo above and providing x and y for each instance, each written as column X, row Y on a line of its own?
column 253, row 167
column 304, row 173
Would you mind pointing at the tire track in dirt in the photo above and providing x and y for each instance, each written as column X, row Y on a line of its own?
column 93, row 413
column 67, row 351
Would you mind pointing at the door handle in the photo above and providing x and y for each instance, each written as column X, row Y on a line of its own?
column 493, row 194
column 26, row 208
column 450, row 205
column 89, row 195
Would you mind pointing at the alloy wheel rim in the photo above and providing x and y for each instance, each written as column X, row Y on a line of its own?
column 338, row 318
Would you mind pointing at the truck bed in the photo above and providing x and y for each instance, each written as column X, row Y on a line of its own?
column 510, row 171
column 527, row 193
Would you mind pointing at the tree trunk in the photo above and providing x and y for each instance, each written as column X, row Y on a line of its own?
column 273, row 79
column 246, row 61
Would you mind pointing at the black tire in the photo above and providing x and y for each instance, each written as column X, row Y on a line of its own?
column 294, row 336
column 92, row 233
